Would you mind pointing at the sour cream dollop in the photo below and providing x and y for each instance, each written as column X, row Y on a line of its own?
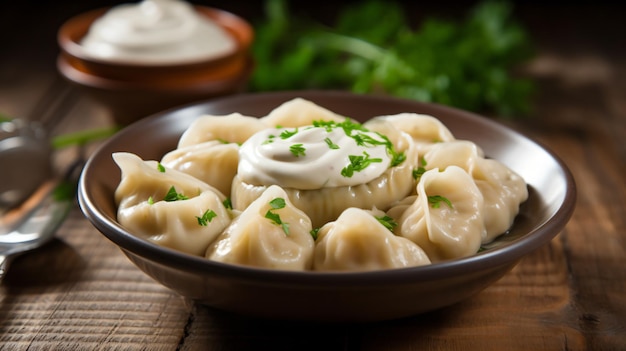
column 314, row 157
column 156, row 32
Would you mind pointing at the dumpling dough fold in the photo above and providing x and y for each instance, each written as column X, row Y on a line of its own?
column 425, row 130
column 357, row 241
column 299, row 112
column 503, row 190
column 213, row 162
column 174, row 224
column 442, row 230
column 253, row 239
column 232, row 128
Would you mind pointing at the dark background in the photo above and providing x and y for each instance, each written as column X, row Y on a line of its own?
column 28, row 27
column 572, row 31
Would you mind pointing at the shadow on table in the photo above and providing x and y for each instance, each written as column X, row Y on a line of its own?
column 52, row 264
column 209, row 328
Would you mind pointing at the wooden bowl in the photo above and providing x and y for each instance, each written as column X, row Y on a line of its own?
column 132, row 91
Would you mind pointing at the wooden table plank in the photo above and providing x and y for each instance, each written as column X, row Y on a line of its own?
column 93, row 296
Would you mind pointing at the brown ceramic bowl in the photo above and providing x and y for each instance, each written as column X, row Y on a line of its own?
column 333, row 297
column 132, row 91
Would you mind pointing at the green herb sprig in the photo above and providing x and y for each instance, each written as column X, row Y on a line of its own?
column 468, row 63
column 358, row 163
column 297, row 150
column 420, row 170
column 173, row 195
column 227, row 203
column 315, row 233
column 387, row 221
column 277, row 204
column 206, row 217
column 436, row 200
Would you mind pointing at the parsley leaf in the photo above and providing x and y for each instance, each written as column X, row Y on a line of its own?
column 436, row 200
column 387, row 221
column 419, row 171
column 270, row 139
column 297, row 150
column 277, row 204
column 228, row 203
column 160, row 167
column 206, row 218
column 315, row 233
column 358, row 164
column 331, row 144
column 286, row 134
column 172, row 195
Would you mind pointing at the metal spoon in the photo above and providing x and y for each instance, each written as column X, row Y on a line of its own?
column 25, row 158
column 35, row 230
column 29, row 212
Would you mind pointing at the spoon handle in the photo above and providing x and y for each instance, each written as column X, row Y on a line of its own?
column 4, row 263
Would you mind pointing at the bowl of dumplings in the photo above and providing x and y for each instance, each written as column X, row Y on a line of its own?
column 325, row 206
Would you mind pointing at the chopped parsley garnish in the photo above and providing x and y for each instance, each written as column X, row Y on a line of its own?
column 206, row 218
column 297, row 150
column 419, row 171
column 270, row 139
column 436, row 200
column 150, row 201
column 277, row 204
column 396, row 157
column 172, row 195
column 387, row 221
column 286, row 134
column 227, row 203
column 357, row 132
column 160, row 167
column 315, row 233
column 358, row 163
column 331, row 144
column 328, row 125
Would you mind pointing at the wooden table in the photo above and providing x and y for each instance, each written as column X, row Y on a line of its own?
column 80, row 293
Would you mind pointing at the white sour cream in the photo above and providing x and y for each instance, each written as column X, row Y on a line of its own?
column 156, row 32
column 312, row 158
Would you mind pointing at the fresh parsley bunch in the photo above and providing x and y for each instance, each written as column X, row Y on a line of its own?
column 372, row 49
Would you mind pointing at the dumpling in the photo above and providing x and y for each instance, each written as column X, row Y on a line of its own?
column 168, row 207
column 270, row 233
column 213, row 162
column 233, row 128
column 425, row 130
column 299, row 112
column 446, row 218
column 503, row 190
column 462, row 153
column 357, row 241
column 326, row 204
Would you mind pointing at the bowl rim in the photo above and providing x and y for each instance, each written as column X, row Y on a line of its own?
column 70, row 46
column 508, row 253
column 80, row 77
